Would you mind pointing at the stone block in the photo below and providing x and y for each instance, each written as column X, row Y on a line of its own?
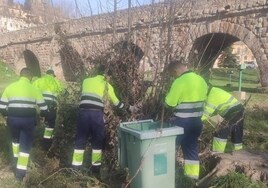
column 265, row 22
column 264, row 57
column 206, row 11
column 243, row 6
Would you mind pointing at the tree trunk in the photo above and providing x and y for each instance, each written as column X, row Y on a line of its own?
column 252, row 164
column 264, row 76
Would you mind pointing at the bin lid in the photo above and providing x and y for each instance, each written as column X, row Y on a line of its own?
column 148, row 129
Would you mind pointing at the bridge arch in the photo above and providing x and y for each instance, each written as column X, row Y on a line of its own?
column 32, row 62
column 216, row 36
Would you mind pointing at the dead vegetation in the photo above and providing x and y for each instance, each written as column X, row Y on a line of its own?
column 135, row 85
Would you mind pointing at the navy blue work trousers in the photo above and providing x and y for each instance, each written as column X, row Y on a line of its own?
column 189, row 141
column 52, row 113
column 90, row 124
column 22, row 131
column 234, row 127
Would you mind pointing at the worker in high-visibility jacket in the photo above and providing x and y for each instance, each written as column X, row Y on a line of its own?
column 220, row 102
column 187, row 96
column 18, row 103
column 50, row 88
column 91, row 118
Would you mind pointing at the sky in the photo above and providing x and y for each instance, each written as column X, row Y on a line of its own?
column 82, row 8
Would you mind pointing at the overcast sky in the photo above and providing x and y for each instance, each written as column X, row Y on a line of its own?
column 82, row 7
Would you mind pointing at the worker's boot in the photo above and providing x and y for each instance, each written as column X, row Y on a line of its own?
column 46, row 144
column 20, row 174
column 77, row 168
column 14, row 164
column 95, row 171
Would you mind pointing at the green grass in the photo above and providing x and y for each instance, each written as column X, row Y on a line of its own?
column 235, row 180
column 7, row 76
column 250, row 79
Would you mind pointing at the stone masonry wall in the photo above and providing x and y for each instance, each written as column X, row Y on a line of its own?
column 245, row 20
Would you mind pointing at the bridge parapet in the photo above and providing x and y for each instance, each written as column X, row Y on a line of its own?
column 189, row 12
column 193, row 22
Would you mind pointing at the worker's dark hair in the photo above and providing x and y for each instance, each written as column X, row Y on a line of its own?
column 102, row 69
column 174, row 64
column 50, row 72
column 26, row 72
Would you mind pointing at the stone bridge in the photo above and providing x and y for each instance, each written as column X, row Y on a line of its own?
column 195, row 30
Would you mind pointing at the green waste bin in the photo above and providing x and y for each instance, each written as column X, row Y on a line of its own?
column 143, row 148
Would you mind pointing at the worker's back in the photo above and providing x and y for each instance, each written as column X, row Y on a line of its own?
column 21, row 98
column 219, row 102
column 187, row 94
column 94, row 90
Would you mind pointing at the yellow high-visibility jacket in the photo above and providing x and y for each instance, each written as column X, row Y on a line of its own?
column 218, row 102
column 49, row 86
column 93, row 91
column 21, row 98
column 187, row 95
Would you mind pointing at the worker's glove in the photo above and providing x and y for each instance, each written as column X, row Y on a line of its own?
column 46, row 124
column 120, row 111
column 133, row 109
column 42, row 120
column 5, row 122
column 215, row 120
column 172, row 120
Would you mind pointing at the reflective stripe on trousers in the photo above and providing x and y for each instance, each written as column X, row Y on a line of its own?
column 238, row 146
column 192, row 168
column 23, row 161
column 15, row 149
column 48, row 133
column 78, row 157
column 219, row 144
column 96, row 157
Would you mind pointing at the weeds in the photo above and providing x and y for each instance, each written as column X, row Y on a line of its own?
column 183, row 181
column 235, row 180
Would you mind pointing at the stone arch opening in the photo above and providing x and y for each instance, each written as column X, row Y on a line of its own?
column 72, row 63
column 227, row 33
column 242, row 54
column 32, row 62
column 207, row 48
